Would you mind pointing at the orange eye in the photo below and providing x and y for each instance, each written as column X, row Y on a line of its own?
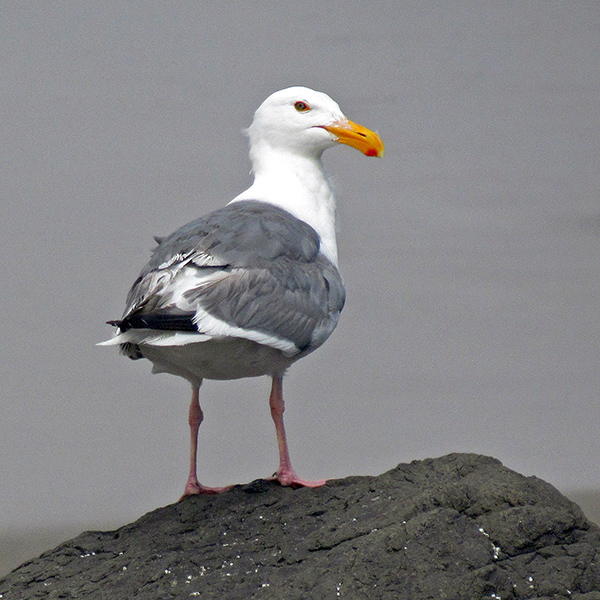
column 301, row 106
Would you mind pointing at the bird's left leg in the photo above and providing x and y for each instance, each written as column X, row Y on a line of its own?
column 195, row 418
column 285, row 474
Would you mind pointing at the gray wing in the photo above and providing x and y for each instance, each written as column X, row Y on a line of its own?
column 249, row 266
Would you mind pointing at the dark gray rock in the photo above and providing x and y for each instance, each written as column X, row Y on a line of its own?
column 458, row 527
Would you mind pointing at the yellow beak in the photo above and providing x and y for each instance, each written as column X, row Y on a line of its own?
column 357, row 136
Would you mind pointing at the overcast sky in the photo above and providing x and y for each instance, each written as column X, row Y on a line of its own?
column 470, row 252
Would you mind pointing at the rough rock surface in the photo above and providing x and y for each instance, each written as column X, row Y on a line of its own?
column 457, row 527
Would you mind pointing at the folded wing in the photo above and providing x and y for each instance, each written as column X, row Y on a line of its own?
column 248, row 270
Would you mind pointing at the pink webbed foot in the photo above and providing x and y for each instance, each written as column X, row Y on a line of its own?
column 290, row 479
column 194, row 488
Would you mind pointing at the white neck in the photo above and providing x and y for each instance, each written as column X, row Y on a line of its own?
column 296, row 183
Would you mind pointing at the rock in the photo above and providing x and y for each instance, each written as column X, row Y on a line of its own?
column 458, row 527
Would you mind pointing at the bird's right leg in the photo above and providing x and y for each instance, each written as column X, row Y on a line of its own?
column 195, row 417
column 285, row 474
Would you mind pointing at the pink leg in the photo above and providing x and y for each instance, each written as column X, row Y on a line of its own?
column 285, row 474
column 195, row 418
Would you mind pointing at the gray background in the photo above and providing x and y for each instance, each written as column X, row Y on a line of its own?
column 470, row 252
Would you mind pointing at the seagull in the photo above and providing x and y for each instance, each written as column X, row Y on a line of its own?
column 252, row 287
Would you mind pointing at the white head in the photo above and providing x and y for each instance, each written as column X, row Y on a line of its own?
column 306, row 122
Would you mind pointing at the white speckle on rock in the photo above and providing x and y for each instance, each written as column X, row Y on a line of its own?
column 496, row 549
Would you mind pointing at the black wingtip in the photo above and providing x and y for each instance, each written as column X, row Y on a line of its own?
column 163, row 322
